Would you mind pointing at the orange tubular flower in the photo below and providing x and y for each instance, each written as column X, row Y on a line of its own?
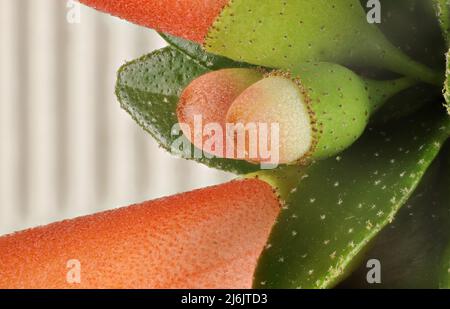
column 189, row 19
column 209, row 238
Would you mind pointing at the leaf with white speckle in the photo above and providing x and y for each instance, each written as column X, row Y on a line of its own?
column 411, row 250
column 355, row 211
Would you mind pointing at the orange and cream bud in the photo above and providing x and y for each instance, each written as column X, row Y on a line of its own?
column 294, row 117
column 275, row 100
column 204, row 104
column 262, row 118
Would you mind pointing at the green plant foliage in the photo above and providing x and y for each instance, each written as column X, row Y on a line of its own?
column 341, row 103
column 445, row 270
column 149, row 88
column 408, row 102
column 411, row 25
column 342, row 203
column 287, row 33
column 197, row 54
column 334, row 208
column 447, row 84
column 411, row 249
column 443, row 14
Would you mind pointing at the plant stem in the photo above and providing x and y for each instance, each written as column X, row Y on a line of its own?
column 381, row 91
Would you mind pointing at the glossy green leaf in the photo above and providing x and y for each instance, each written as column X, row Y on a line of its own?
column 342, row 203
column 148, row 89
column 410, row 250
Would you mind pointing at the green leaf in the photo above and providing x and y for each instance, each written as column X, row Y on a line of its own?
column 410, row 250
column 196, row 52
column 148, row 89
column 447, row 84
column 445, row 278
column 342, row 203
column 417, row 18
column 443, row 13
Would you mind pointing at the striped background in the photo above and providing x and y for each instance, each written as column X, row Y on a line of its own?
column 66, row 147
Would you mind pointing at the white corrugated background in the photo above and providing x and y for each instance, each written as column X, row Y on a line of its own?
column 66, row 147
